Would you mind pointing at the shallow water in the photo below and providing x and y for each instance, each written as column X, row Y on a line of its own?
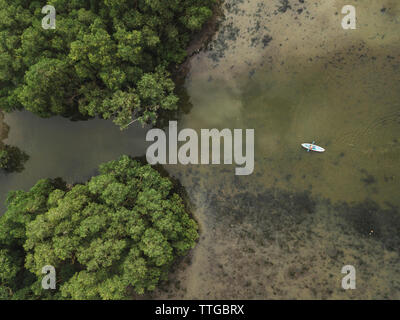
column 312, row 81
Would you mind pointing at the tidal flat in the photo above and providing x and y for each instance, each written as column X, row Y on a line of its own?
column 289, row 70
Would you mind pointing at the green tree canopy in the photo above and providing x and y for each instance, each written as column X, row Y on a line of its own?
column 12, row 159
column 108, row 57
column 116, row 234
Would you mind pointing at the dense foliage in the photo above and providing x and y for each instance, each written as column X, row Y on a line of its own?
column 12, row 159
column 119, row 233
column 105, row 57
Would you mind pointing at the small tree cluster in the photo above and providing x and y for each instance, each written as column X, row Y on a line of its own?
column 12, row 159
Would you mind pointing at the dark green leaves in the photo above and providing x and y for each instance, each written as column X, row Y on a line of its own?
column 105, row 58
column 12, row 159
column 120, row 230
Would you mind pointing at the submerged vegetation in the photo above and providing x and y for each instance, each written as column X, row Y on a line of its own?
column 261, row 242
column 369, row 219
column 106, row 58
column 116, row 235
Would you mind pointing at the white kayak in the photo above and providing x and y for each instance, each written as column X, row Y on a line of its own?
column 312, row 147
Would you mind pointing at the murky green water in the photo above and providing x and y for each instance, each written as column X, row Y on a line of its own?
column 312, row 81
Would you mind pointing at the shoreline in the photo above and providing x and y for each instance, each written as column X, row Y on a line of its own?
column 199, row 42
column 4, row 129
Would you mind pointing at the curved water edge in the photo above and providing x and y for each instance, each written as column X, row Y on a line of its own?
column 285, row 231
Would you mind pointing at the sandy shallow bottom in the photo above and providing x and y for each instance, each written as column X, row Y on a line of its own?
column 285, row 232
